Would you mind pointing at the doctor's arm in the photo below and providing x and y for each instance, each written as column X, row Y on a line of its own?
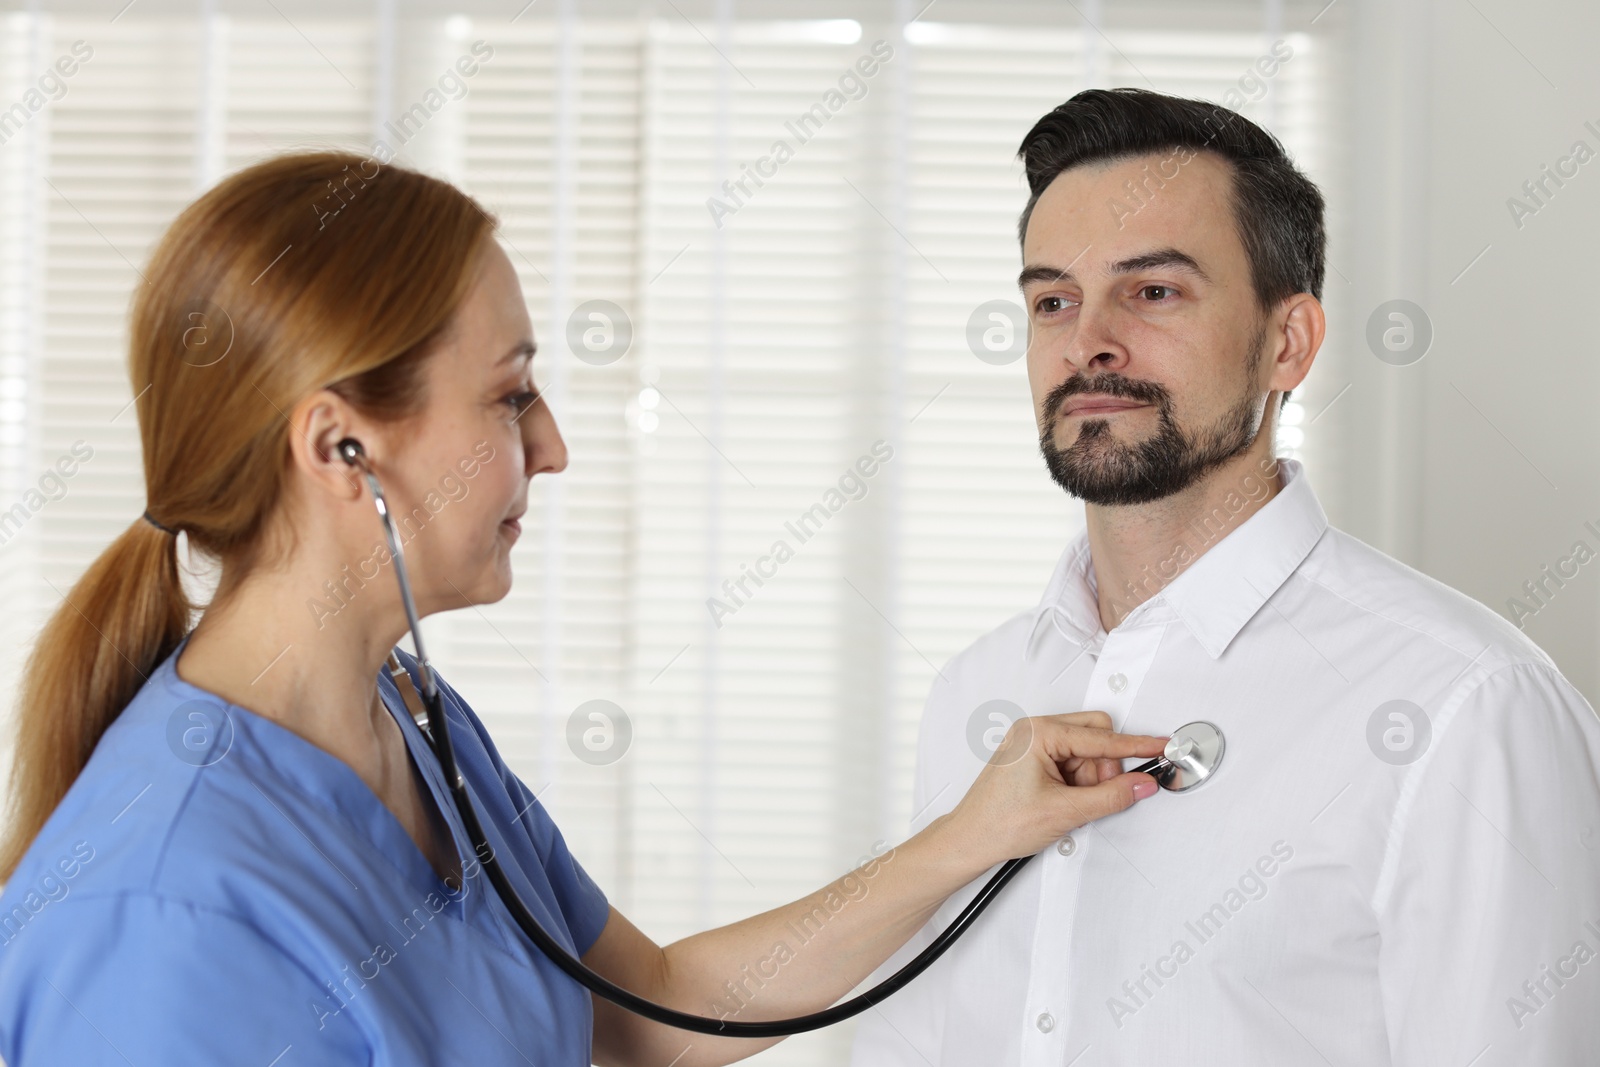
column 1489, row 921
column 804, row 956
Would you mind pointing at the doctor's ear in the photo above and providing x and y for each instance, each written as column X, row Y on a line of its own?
column 331, row 447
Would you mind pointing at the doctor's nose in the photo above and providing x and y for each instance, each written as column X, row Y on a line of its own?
column 544, row 450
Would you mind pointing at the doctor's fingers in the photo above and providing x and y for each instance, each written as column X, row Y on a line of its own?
column 1097, row 719
column 1084, row 804
column 1085, row 770
column 1063, row 740
column 1093, row 771
column 1078, row 771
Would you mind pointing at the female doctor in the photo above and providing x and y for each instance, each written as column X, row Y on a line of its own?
column 233, row 845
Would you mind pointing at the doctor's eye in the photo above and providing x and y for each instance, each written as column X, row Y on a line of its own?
column 1050, row 305
column 1165, row 290
column 521, row 401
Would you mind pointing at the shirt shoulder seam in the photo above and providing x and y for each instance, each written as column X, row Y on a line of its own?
column 1435, row 638
column 1399, row 821
column 169, row 832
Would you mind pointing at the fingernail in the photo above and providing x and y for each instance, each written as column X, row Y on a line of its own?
column 1143, row 789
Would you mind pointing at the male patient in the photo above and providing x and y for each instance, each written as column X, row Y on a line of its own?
column 1398, row 862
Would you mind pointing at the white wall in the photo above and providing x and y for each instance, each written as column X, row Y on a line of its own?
column 1479, row 463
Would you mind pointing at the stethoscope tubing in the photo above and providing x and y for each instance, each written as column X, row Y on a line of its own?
column 604, row 987
column 439, row 736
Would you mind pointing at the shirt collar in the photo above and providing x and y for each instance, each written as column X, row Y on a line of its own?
column 1217, row 593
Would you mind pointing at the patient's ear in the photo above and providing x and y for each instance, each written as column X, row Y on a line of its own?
column 1300, row 327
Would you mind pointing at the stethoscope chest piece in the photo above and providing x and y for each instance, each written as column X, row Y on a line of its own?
column 1193, row 754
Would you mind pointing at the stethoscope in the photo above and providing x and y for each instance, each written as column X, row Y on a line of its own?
column 1190, row 758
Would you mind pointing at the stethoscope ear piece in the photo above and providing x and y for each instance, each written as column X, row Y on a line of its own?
column 350, row 451
column 1192, row 756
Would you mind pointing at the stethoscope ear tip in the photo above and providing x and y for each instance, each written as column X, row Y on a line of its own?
column 350, row 450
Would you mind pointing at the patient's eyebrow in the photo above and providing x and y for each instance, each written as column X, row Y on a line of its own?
column 1171, row 258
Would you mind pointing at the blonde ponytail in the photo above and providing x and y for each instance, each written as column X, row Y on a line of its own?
column 118, row 622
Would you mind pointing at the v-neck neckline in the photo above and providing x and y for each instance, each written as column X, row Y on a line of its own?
column 408, row 859
column 422, row 755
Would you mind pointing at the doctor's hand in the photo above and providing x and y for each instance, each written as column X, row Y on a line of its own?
column 1050, row 775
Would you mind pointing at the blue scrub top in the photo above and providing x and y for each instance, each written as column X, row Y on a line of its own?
column 216, row 889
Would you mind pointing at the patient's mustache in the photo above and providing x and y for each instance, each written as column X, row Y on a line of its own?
column 1109, row 383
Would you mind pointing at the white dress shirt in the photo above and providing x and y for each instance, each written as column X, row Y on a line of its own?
column 1398, row 862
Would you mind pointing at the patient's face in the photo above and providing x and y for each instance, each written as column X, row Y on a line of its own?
column 1144, row 376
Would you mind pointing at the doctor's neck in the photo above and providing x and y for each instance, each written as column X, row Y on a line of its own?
column 314, row 673
column 1136, row 550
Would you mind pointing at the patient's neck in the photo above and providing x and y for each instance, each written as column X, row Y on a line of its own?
column 1137, row 549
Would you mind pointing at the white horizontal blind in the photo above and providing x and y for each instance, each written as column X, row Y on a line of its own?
column 778, row 433
column 755, row 345
column 277, row 90
column 108, row 167
column 572, row 241
column 827, row 312
column 22, row 51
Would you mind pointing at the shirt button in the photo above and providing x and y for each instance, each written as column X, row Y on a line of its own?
column 1045, row 1022
column 1066, row 846
column 1118, row 682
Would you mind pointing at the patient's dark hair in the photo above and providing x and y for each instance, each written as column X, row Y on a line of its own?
column 1277, row 209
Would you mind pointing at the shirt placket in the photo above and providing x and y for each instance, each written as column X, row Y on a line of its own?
column 1121, row 665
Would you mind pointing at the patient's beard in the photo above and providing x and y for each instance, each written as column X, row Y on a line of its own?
column 1098, row 469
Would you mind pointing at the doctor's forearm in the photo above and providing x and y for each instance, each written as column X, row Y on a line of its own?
column 805, row 955
column 789, row 961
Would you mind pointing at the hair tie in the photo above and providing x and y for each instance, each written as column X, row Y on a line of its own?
column 157, row 525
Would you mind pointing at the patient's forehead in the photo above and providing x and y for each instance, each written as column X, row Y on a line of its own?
column 1088, row 215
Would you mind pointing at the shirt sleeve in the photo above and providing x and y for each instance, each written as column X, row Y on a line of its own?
column 1489, row 904
column 583, row 904
column 137, row 978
